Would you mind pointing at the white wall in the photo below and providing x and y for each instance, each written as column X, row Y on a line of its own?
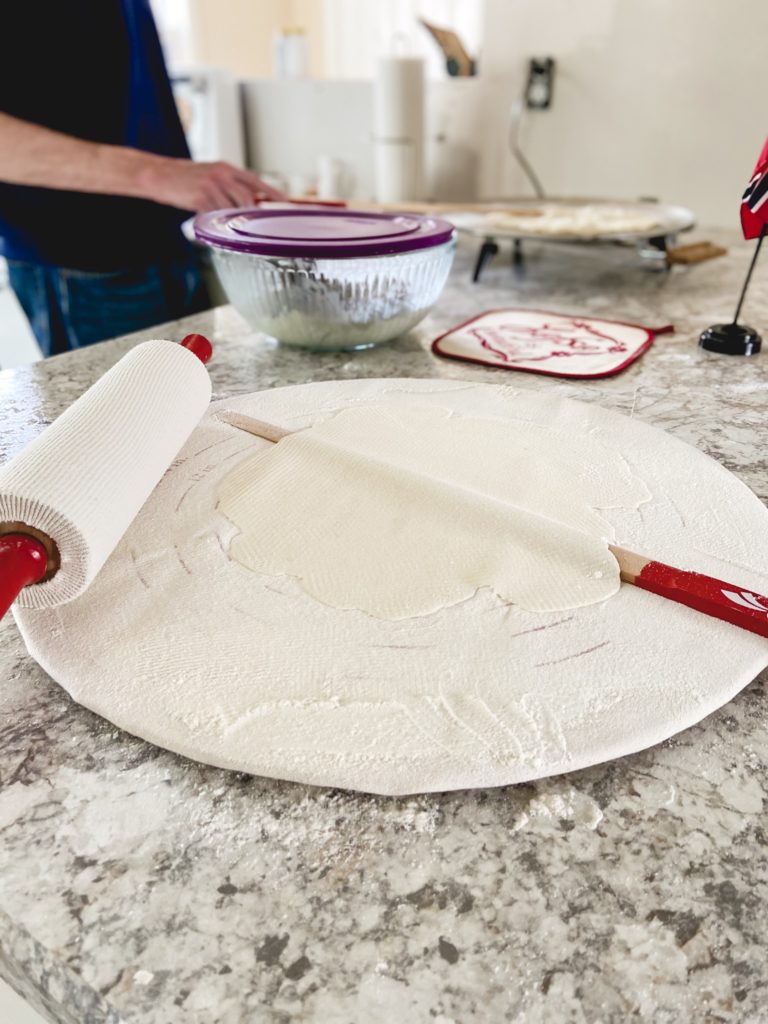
column 174, row 23
column 665, row 98
column 238, row 35
column 345, row 37
column 358, row 32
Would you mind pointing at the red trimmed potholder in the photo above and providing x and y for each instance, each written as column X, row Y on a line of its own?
column 538, row 342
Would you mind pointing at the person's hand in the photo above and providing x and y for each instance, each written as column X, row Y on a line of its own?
column 204, row 186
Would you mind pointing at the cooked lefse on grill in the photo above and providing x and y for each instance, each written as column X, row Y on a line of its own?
column 587, row 221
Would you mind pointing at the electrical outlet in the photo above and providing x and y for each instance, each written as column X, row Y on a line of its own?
column 538, row 88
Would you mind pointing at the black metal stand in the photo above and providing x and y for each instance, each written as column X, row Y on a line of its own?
column 735, row 339
column 518, row 257
column 488, row 250
column 654, row 251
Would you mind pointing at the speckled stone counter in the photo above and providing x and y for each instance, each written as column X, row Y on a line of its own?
column 136, row 886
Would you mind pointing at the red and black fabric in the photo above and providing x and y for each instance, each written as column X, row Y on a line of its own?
column 754, row 203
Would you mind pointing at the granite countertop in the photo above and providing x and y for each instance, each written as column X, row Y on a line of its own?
column 136, row 886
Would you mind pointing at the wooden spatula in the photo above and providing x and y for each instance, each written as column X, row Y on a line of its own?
column 716, row 598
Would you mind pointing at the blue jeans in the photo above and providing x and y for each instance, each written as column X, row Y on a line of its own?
column 72, row 308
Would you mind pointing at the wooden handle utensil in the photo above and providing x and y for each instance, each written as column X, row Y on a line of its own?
column 713, row 597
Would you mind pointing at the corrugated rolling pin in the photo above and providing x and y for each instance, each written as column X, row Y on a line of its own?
column 70, row 495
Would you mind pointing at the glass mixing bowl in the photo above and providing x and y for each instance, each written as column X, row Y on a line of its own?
column 329, row 280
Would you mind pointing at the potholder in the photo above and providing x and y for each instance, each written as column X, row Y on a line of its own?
column 551, row 343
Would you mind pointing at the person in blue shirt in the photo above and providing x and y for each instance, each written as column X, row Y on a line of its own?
column 95, row 174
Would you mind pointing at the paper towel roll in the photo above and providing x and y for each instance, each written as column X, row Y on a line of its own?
column 399, row 129
column 82, row 481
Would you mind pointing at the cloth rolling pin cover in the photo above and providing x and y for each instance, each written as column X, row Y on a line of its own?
column 83, row 480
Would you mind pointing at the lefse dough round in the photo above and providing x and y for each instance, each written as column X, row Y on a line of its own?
column 399, row 512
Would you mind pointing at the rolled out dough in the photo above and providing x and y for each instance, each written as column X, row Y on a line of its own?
column 398, row 512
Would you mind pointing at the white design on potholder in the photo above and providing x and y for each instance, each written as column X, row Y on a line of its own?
column 548, row 343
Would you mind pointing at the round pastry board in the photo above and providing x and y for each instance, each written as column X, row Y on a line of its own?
column 177, row 644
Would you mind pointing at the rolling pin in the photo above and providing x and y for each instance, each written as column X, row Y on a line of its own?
column 70, row 495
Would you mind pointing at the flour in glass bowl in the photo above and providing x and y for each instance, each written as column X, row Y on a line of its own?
column 321, row 333
column 335, row 304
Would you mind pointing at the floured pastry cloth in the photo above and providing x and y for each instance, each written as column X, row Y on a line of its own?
column 185, row 640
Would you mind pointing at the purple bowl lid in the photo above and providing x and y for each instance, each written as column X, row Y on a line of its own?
column 334, row 234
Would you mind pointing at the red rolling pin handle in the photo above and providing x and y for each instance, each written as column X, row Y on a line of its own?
column 714, row 597
column 23, row 559
column 199, row 345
